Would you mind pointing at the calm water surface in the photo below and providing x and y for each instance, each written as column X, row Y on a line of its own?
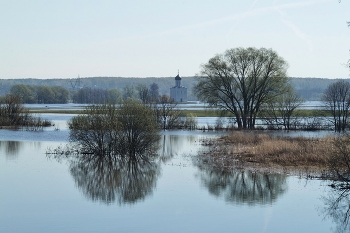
column 173, row 194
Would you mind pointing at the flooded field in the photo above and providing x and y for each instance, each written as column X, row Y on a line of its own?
column 39, row 193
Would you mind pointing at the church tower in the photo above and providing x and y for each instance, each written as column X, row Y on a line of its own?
column 178, row 93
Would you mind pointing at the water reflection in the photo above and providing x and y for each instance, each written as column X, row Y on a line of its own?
column 111, row 179
column 121, row 179
column 11, row 148
column 172, row 145
column 337, row 208
column 239, row 186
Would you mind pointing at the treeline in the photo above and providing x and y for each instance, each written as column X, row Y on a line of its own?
column 59, row 95
column 103, row 83
column 307, row 88
column 41, row 94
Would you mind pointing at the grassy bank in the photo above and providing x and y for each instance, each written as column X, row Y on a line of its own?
column 262, row 151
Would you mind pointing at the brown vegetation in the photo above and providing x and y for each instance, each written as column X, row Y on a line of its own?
column 258, row 150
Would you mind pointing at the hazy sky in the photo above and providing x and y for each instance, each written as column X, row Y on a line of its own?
column 138, row 38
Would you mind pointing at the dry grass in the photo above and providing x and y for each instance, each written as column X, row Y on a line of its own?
column 262, row 150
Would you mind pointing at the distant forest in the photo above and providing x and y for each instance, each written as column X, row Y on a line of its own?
column 307, row 88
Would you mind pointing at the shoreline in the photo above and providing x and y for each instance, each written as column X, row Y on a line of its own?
column 257, row 151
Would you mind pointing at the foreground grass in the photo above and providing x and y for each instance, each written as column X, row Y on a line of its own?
column 261, row 151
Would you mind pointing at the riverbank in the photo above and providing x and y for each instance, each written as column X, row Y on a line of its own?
column 260, row 151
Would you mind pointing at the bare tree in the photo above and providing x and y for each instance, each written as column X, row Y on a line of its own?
column 168, row 116
column 337, row 101
column 144, row 93
column 129, row 92
column 126, row 130
column 12, row 110
column 241, row 81
column 154, row 89
column 280, row 110
column 339, row 158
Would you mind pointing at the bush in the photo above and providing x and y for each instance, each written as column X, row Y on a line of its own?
column 129, row 129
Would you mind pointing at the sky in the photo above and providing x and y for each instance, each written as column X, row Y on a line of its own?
column 159, row 38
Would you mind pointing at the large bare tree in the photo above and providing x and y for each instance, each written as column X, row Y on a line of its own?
column 337, row 100
column 241, row 80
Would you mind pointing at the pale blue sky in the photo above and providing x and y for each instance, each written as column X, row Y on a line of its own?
column 138, row 38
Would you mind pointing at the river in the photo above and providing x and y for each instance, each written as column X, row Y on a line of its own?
column 39, row 193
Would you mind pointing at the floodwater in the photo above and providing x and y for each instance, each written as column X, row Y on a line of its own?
column 39, row 193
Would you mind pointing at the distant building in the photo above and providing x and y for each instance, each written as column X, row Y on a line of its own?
column 178, row 93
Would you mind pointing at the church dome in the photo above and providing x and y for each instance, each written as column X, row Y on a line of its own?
column 177, row 77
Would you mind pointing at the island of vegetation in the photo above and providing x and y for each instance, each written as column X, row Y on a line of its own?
column 13, row 115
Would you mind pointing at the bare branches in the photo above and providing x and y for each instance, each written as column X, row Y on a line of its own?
column 337, row 101
column 241, row 80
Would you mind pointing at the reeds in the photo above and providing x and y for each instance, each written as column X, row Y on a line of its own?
column 258, row 149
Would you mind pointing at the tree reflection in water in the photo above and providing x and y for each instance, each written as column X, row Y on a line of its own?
column 171, row 145
column 337, row 207
column 109, row 178
column 11, row 148
column 242, row 186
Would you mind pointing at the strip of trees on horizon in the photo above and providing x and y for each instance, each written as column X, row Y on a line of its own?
column 59, row 95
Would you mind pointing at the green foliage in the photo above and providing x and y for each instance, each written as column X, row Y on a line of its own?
column 41, row 94
column 26, row 93
column 307, row 88
column 13, row 114
column 167, row 114
column 191, row 122
column 61, row 95
column 163, row 84
column 139, row 130
column 114, row 96
column 88, row 95
column 128, row 129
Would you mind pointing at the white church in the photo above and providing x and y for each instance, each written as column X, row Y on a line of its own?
column 178, row 93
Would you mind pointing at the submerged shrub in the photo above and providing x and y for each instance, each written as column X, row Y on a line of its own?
column 127, row 129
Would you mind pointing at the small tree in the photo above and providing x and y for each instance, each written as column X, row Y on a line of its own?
column 168, row 116
column 12, row 111
column 337, row 101
column 129, row 92
column 280, row 110
column 114, row 96
column 138, row 129
column 94, row 129
column 154, row 92
column 339, row 158
column 144, row 93
column 128, row 129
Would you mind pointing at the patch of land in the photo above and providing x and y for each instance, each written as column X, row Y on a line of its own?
column 256, row 150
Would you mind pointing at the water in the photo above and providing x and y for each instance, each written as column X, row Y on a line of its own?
column 41, row 194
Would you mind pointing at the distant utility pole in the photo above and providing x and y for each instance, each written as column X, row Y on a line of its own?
column 75, row 82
